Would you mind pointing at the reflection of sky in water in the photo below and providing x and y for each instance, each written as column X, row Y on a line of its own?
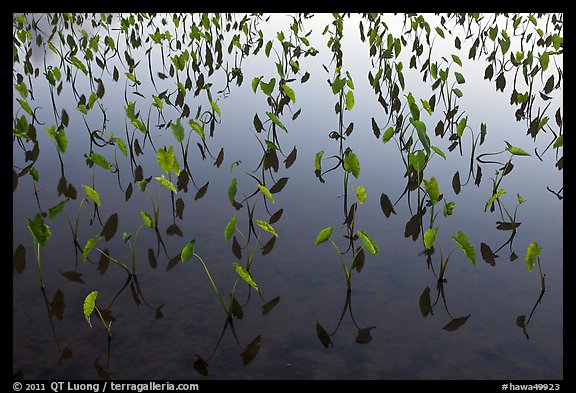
column 308, row 279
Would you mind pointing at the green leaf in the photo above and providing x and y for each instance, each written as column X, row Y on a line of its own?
column 255, row 83
column 147, row 219
column 244, row 275
column 276, row 121
column 230, row 228
column 465, row 246
column 216, row 107
column 324, row 235
column 414, row 111
column 369, row 244
column 39, row 230
column 544, row 60
column 515, row 150
column 166, row 183
column 317, row 160
column 196, row 127
column 92, row 194
column 34, row 173
column 267, row 227
column 167, row 160
column 78, row 64
column 440, row 32
column 126, row 237
column 338, row 85
column 458, row 92
column 232, row 189
column 349, row 100
column 521, row 199
column 429, row 237
column 448, row 208
column 158, row 103
column 461, row 126
column 121, row 145
column 457, row 60
column 268, row 88
column 493, row 198
column 57, row 209
column 459, row 77
column 266, row 192
column 89, row 305
column 90, row 244
column 388, row 134
column 438, row 151
column 417, row 160
column 25, row 106
column 100, row 160
column 421, row 129
column 178, row 131
column 432, row 189
column 188, row 251
column 289, row 92
column 360, row 193
column 351, row 164
column 532, row 253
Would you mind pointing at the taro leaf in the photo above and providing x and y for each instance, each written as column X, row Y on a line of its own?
column 456, row 183
column 324, row 235
column 424, row 139
column 92, row 194
column 388, row 134
column 369, row 244
column 364, row 336
column 73, row 276
column 251, row 351
column 236, row 249
column 201, row 366
column 167, row 160
column 429, row 237
column 487, row 254
column 532, row 253
column 289, row 92
column 424, row 303
column 57, row 209
column 351, row 164
column 267, row 248
column 456, row 323
column 266, row 227
column 507, row 226
column 232, row 189
column 40, row 231
column 166, row 183
column 202, row 191
column 276, row 216
column 439, row 152
column 220, row 158
column 317, row 160
column 266, row 192
column 126, row 237
column 559, row 142
column 89, row 305
column 147, row 219
column 493, row 198
column 359, row 259
column 432, row 189
column 291, row 158
column 230, row 227
column 515, row 150
column 465, row 246
column 279, row 185
column 188, row 250
column 448, row 208
column 276, row 121
column 461, row 126
column 100, row 160
column 413, row 226
column 90, row 244
column 266, row 308
column 244, row 275
column 19, row 259
column 236, row 308
column 386, row 205
column 360, row 193
column 417, row 160
column 459, row 77
column 110, row 227
column 177, row 131
column 349, row 100
column 323, row 335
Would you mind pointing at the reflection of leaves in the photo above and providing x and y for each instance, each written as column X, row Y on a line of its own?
column 359, row 259
column 521, row 321
column 507, row 226
column 364, row 336
column 19, row 259
column 174, row 229
column 291, row 158
column 456, row 182
column 276, row 216
column 279, row 185
column 456, row 323
column 487, row 254
column 236, row 249
column 202, row 191
column 110, row 227
column 57, row 306
column 251, row 351
column 323, row 335
column 179, row 208
column 386, row 205
column 182, row 182
column 424, row 302
column 236, row 308
column 413, row 226
column 270, row 305
column 102, row 373
column 73, row 276
column 152, row 259
column 513, row 256
column 201, row 365
column 220, row 158
column 172, row 263
column 269, row 246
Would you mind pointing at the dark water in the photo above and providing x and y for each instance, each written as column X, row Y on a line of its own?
column 169, row 316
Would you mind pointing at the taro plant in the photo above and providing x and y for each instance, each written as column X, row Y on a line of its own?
column 90, row 307
column 532, row 256
column 369, row 244
column 461, row 241
column 40, row 234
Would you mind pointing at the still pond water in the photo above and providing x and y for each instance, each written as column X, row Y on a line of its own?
column 135, row 134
